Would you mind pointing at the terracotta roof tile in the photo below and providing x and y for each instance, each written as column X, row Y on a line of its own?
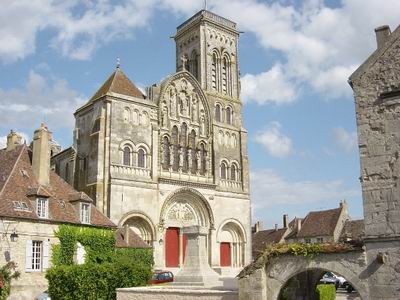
column 22, row 185
column 134, row 241
column 118, row 83
column 263, row 238
column 320, row 223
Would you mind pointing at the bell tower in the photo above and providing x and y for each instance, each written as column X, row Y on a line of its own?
column 207, row 47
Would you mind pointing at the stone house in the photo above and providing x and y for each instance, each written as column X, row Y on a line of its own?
column 33, row 202
column 323, row 226
column 174, row 157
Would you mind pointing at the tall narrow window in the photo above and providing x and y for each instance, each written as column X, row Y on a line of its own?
column 224, row 75
column 127, row 115
column 192, row 144
column 175, row 149
column 228, row 115
column 85, row 213
column 67, row 172
column 141, row 158
column 218, row 113
column 203, row 155
column 223, row 170
column 195, row 66
column 42, row 208
column 37, row 255
column 233, row 172
column 214, row 72
column 127, row 156
column 166, row 154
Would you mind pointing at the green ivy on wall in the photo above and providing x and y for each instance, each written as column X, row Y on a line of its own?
column 99, row 244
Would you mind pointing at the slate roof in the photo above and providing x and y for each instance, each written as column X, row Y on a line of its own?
column 118, row 83
column 263, row 238
column 319, row 223
column 19, row 184
column 134, row 241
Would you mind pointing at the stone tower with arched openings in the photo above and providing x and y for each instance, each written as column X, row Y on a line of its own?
column 176, row 156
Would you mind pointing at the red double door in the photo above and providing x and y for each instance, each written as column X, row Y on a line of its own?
column 172, row 250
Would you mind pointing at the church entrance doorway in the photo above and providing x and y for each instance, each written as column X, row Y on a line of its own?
column 175, row 247
column 225, row 255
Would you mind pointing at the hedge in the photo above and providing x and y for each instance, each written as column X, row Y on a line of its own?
column 326, row 292
column 95, row 281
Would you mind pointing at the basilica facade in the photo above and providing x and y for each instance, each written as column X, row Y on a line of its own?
column 174, row 157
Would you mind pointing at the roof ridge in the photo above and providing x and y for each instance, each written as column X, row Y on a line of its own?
column 13, row 169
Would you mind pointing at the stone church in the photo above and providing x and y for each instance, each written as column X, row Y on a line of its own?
column 174, row 157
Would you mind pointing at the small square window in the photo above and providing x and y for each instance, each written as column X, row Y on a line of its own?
column 42, row 208
column 320, row 240
column 17, row 205
column 85, row 213
column 308, row 241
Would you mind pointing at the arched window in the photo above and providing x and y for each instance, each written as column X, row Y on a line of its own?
column 141, row 158
column 127, row 115
column 183, row 135
column 166, row 154
column 195, row 65
column 136, row 117
column 228, row 115
column 192, row 145
column 223, row 170
column 233, row 172
column 203, row 156
column 126, row 156
column 214, row 76
column 218, row 113
column 175, row 149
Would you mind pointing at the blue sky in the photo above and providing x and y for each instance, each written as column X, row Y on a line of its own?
column 295, row 58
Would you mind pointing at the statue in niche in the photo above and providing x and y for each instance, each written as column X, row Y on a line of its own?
column 202, row 123
column 198, row 160
column 171, row 155
column 164, row 114
column 190, row 159
column 181, row 157
column 163, row 154
column 172, row 97
column 195, row 116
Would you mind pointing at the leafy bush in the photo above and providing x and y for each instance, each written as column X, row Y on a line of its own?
column 95, row 281
column 7, row 273
column 135, row 256
column 326, row 292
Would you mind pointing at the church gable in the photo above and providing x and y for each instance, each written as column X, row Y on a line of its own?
column 182, row 100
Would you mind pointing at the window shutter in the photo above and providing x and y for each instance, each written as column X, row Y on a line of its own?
column 28, row 256
column 45, row 255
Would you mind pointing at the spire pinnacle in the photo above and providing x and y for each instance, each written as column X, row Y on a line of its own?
column 118, row 62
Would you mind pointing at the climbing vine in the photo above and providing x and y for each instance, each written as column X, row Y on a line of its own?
column 7, row 273
column 305, row 250
column 99, row 244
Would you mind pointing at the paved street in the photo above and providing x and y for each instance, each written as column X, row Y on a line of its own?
column 341, row 294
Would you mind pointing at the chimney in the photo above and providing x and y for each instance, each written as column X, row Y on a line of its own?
column 13, row 140
column 285, row 221
column 298, row 224
column 382, row 34
column 258, row 226
column 41, row 155
column 276, row 227
column 126, row 227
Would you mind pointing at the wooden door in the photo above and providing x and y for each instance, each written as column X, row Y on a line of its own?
column 172, row 247
column 225, row 254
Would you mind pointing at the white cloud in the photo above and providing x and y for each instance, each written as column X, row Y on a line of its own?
column 51, row 101
column 345, row 140
column 271, row 86
column 270, row 189
column 274, row 141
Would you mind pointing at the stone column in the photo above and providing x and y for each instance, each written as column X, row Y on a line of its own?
column 196, row 271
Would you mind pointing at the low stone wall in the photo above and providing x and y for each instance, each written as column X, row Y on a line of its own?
column 169, row 293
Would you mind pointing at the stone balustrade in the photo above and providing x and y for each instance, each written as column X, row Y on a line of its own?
column 129, row 171
column 231, row 184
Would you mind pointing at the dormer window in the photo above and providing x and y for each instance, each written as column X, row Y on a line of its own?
column 42, row 208
column 85, row 213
